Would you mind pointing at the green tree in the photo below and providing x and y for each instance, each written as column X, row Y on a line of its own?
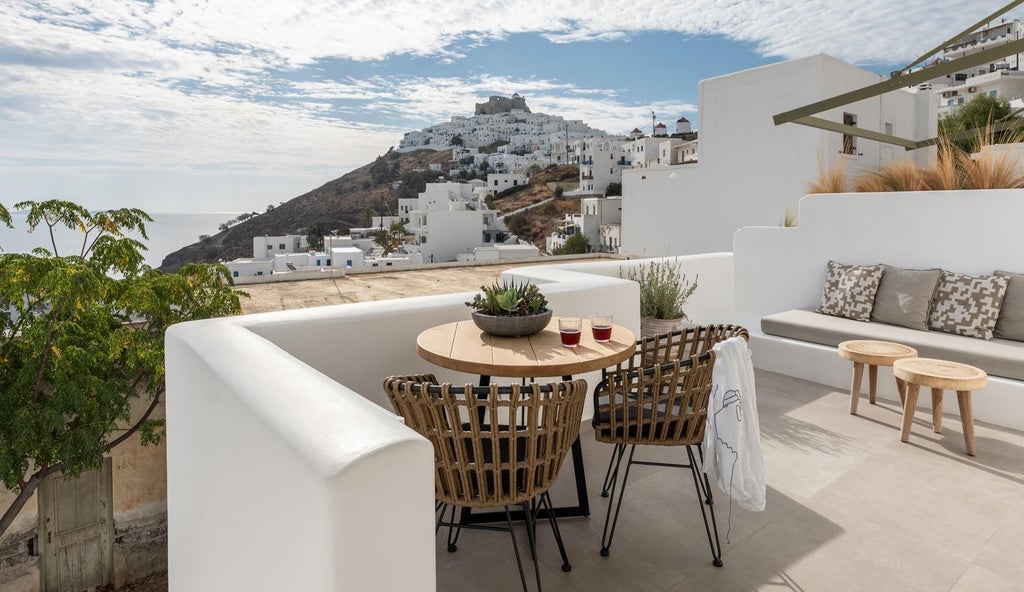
column 613, row 189
column 82, row 338
column 456, row 140
column 315, row 235
column 367, row 215
column 390, row 238
column 576, row 244
column 977, row 114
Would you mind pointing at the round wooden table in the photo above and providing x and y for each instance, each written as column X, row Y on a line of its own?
column 874, row 354
column 940, row 375
column 464, row 347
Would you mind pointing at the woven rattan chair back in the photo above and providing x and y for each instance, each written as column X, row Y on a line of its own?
column 493, row 445
column 671, row 411
column 679, row 345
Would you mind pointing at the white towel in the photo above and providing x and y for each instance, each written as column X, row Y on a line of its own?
column 732, row 438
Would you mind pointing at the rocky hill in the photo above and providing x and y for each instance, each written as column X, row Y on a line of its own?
column 336, row 205
column 373, row 189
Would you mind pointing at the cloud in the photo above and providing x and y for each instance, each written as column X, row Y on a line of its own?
column 244, row 85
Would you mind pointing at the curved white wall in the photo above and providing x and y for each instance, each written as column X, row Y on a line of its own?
column 286, row 468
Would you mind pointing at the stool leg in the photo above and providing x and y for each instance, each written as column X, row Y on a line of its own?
column 967, row 417
column 908, row 410
column 901, row 389
column 858, row 373
column 872, row 382
column 937, row 410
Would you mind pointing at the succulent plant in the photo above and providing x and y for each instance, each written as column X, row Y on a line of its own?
column 509, row 299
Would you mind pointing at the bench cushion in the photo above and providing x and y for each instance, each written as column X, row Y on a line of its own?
column 998, row 357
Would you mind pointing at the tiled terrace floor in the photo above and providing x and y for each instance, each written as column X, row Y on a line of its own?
column 849, row 507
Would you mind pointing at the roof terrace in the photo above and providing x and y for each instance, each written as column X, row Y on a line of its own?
column 286, row 468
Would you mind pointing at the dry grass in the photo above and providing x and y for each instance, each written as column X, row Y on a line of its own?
column 833, row 179
column 954, row 168
column 789, row 219
column 947, row 173
column 897, row 175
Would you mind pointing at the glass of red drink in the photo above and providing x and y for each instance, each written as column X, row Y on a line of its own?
column 570, row 328
column 601, row 325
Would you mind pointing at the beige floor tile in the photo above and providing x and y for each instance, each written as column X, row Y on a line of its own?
column 978, row 579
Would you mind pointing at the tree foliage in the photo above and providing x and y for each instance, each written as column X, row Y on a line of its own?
column 82, row 338
column 390, row 238
column 576, row 244
column 613, row 190
column 979, row 113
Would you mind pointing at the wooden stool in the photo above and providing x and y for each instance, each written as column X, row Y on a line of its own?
column 874, row 354
column 939, row 375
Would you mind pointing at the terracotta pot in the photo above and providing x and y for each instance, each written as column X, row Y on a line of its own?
column 650, row 326
column 504, row 326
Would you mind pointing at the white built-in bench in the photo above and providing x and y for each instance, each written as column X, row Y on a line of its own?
column 779, row 275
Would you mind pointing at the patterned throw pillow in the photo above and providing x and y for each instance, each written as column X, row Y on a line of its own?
column 967, row 304
column 850, row 290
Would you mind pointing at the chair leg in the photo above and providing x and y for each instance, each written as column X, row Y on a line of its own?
column 531, row 535
column 709, row 498
column 515, row 547
column 453, row 532
column 619, row 448
column 698, row 484
column 609, row 520
column 545, row 501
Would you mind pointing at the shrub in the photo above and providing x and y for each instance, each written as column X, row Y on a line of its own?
column 663, row 289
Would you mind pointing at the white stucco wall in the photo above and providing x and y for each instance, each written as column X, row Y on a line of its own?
column 750, row 170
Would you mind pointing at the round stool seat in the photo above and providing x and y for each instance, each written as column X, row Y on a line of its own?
column 875, row 353
column 941, row 374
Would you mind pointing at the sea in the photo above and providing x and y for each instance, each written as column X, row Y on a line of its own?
column 168, row 232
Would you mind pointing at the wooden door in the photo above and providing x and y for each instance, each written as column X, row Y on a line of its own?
column 76, row 531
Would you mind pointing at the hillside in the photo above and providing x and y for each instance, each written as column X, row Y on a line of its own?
column 336, row 205
column 345, row 202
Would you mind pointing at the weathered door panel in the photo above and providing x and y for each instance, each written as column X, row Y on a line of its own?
column 76, row 531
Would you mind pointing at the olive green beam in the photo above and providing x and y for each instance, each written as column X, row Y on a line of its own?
column 922, row 75
column 859, row 132
column 856, row 131
column 959, row 36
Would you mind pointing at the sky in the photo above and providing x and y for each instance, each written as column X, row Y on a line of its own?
column 233, row 105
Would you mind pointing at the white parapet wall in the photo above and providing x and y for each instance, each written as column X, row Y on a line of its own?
column 286, row 467
column 778, row 269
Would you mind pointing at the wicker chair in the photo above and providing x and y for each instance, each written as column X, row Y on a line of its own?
column 672, row 412
column 494, row 446
column 668, row 347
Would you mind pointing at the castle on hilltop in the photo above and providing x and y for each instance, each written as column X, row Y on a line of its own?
column 497, row 104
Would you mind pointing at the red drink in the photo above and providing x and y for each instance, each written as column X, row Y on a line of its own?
column 570, row 338
column 602, row 334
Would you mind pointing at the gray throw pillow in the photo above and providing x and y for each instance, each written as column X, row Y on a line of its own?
column 904, row 296
column 1011, row 316
column 967, row 304
column 850, row 290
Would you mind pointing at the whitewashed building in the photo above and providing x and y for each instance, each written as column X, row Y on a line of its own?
column 599, row 220
column 750, row 170
column 450, row 219
column 498, row 182
column 601, row 160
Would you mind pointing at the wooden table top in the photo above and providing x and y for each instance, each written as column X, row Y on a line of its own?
column 941, row 374
column 875, row 353
column 464, row 347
